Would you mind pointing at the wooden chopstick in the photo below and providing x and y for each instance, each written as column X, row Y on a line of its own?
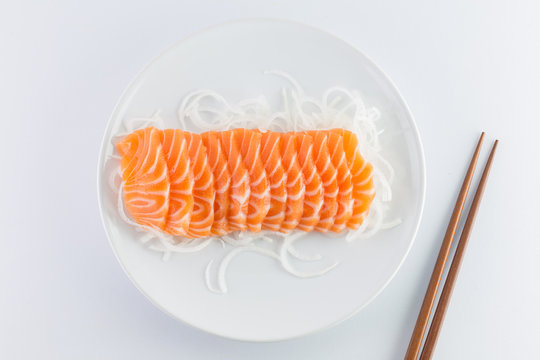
column 444, row 299
column 431, row 292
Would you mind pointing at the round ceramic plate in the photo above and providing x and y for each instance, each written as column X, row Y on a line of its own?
column 265, row 303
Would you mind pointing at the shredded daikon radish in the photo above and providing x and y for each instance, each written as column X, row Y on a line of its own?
column 295, row 253
column 207, row 110
column 283, row 255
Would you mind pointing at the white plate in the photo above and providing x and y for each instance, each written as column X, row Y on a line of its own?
column 264, row 303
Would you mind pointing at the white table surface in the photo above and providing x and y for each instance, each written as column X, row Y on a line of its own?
column 463, row 67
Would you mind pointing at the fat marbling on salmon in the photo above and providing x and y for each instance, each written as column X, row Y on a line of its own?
column 195, row 186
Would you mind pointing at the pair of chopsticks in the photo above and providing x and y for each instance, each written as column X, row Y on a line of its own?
column 431, row 292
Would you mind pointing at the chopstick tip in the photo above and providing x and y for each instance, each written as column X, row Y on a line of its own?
column 480, row 141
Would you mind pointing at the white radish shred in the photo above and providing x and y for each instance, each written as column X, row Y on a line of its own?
column 295, row 253
column 207, row 279
column 391, row 224
column 223, row 266
column 283, row 256
column 208, row 110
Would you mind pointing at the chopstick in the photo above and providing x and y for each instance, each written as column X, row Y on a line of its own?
column 436, row 275
column 444, row 299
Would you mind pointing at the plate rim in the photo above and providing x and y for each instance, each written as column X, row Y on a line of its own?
column 412, row 123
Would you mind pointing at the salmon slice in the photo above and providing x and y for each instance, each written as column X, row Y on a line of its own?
column 181, row 180
column 295, row 183
column 249, row 144
column 314, row 192
column 145, row 178
column 328, row 174
column 361, row 176
column 202, row 216
column 195, row 186
column 222, row 179
column 239, row 188
column 277, row 180
column 345, row 195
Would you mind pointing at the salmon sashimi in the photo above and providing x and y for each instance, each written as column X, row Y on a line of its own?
column 239, row 190
column 361, row 176
column 328, row 174
column 249, row 144
column 181, row 179
column 345, row 194
column 195, row 186
column 314, row 193
column 145, row 178
column 222, row 180
column 277, row 179
column 202, row 216
column 295, row 183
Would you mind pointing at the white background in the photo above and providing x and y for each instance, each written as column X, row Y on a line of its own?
column 463, row 67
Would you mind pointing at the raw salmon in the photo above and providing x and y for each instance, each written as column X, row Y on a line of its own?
column 328, row 174
column 249, row 144
column 181, row 180
column 203, row 188
column 145, row 179
column 222, row 180
column 361, row 176
column 345, row 195
column 277, row 180
column 196, row 186
column 295, row 183
column 239, row 188
column 314, row 193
